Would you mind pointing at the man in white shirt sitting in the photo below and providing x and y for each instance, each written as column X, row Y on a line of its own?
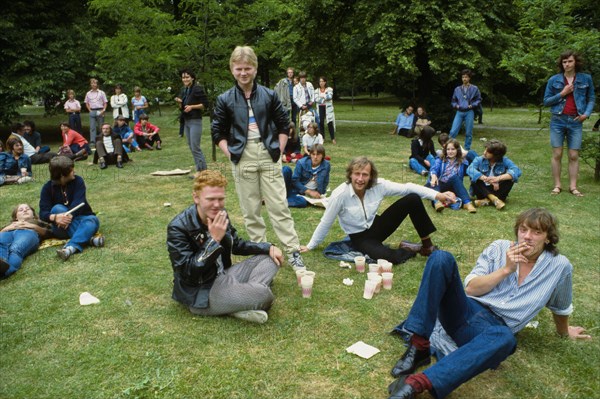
column 356, row 201
column 109, row 144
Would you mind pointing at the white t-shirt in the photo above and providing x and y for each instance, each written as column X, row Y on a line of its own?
column 308, row 141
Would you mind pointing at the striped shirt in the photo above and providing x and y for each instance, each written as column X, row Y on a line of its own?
column 253, row 132
column 548, row 284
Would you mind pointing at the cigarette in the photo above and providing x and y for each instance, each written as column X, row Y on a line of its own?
column 70, row 211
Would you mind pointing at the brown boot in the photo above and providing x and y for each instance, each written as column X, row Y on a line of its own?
column 469, row 207
column 439, row 206
column 498, row 203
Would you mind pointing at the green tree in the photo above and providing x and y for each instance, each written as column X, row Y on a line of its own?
column 46, row 48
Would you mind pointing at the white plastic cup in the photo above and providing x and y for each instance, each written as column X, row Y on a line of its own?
column 307, row 285
column 386, row 267
column 299, row 274
column 388, row 279
column 370, row 286
column 372, row 275
column 379, row 281
column 374, row 268
column 359, row 262
column 23, row 172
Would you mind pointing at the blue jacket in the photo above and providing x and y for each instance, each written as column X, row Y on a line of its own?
column 304, row 172
column 583, row 94
column 123, row 131
column 12, row 167
column 439, row 166
column 461, row 101
column 481, row 166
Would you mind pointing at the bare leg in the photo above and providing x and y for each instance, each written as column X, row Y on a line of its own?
column 556, row 165
column 573, row 168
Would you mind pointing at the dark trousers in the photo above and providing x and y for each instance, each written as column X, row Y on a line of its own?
column 481, row 191
column 142, row 140
column 75, row 122
column 42, row 157
column 322, row 119
column 371, row 240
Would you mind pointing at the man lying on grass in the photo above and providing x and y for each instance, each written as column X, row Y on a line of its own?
column 201, row 241
column 510, row 284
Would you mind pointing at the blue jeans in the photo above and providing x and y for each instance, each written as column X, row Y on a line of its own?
column 483, row 339
column 293, row 199
column 417, row 167
column 455, row 185
column 563, row 126
column 193, row 134
column 137, row 113
column 15, row 245
column 467, row 117
column 96, row 121
column 80, row 231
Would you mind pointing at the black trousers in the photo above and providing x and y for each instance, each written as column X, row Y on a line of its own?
column 370, row 241
column 481, row 191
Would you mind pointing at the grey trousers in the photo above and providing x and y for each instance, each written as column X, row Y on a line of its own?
column 244, row 286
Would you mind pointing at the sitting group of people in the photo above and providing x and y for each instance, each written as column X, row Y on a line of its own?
column 64, row 213
column 492, row 174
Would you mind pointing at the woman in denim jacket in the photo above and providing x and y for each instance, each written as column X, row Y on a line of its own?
column 570, row 95
column 310, row 178
column 493, row 175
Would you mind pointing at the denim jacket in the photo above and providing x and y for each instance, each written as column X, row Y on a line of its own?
column 583, row 94
column 303, row 173
column 10, row 166
column 481, row 166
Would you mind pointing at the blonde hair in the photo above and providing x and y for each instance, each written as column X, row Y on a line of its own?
column 243, row 54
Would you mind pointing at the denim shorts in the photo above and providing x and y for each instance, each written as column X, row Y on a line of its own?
column 564, row 126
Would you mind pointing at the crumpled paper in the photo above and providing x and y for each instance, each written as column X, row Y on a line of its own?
column 85, row 298
column 348, row 281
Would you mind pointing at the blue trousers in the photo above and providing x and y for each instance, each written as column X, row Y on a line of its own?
column 293, row 199
column 467, row 117
column 483, row 339
column 75, row 122
column 80, row 231
column 15, row 245
column 455, row 185
column 416, row 165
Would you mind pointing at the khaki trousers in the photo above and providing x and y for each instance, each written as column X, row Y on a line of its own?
column 258, row 178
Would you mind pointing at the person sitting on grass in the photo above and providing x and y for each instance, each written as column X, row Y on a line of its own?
column 201, row 241
column 356, row 202
column 310, row 177
column 468, row 156
column 75, row 145
column 147, row 133
column 20, row 238
column 63, row 203
column 15, row 166
column 292, row 151
column 311, row 138
column 422, row 151
column 108, row 145
column 447, row 174
column 509, row 285
column 404, row 125
column 493, row 175
column 127, row 135
column 34, row 137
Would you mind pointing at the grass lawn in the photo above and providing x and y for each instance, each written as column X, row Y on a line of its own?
column 139, row 343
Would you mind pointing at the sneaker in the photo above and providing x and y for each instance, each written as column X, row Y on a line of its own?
column 481, row 202
column 65, row 253
column 24, row 179
column 97, row 241
column 252, row 316
column 295, row 259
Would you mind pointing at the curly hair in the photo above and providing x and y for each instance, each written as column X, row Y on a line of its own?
column 359, row 163
column 209, row 178
column 540, row 219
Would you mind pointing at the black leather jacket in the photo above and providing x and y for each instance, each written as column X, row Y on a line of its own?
column 194, row 253
column 230, row 120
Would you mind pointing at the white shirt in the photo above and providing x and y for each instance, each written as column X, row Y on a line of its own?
column 356, row 216
column 121, row 102
column 308, row 141
column 108, row 144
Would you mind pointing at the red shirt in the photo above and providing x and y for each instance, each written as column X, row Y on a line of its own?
column 570, row 107
column 72, row 137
